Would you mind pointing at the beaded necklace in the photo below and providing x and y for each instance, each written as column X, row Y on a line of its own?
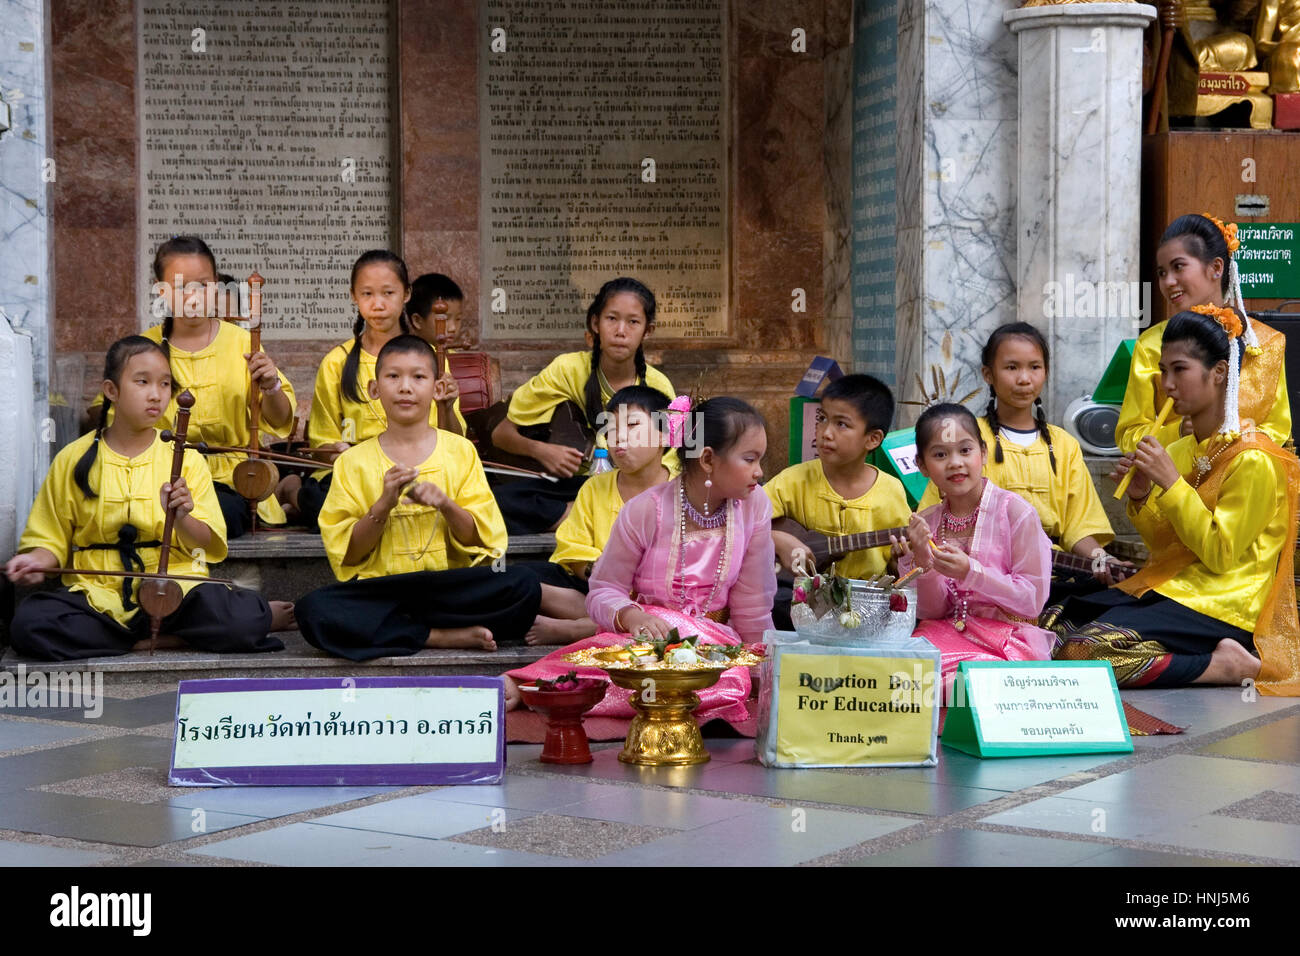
column 1204, row 463
column 949, row 522
column 681, row 554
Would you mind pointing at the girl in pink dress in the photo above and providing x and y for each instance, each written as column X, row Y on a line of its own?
column 988, row 563
column 694, row 554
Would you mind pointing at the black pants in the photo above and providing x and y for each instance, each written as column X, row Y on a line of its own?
column 311, row 498
column 235, row 510
column 392, row 615
column 556, row 575
column 62, row 626
column 535, row 505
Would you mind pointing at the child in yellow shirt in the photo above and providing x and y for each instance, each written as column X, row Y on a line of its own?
column 102, row 508
column 625, row 316
column 411, row 529
column 214, row 361
column 635, row 437
column 838, row 493
column 427, row 292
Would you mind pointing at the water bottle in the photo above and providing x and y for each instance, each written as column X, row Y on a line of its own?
column 600, row 462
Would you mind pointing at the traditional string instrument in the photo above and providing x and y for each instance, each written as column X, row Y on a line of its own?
column 827, row 549
column 440, row 359
column 568, row 426
column 255, row 477
column 161, row 595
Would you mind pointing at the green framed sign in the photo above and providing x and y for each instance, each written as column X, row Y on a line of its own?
column 1033, row 708
column 1267, row 259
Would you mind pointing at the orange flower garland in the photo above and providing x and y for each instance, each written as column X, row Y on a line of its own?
column 1226, row 317
column 1229, row 231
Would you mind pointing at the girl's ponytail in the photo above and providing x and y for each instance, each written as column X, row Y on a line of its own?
column 81, row 473
column 353, row 362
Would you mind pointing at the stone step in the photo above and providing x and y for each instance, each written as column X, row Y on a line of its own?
column 298, row 659
column 285, row 565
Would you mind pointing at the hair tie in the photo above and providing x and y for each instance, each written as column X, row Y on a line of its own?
column 678, row 409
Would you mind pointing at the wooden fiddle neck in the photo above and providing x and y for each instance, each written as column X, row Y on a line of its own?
column 440, row 358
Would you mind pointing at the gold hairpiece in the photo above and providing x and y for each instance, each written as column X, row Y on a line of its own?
column 942, row 392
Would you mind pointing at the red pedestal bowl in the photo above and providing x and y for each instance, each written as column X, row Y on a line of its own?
column 566, row 741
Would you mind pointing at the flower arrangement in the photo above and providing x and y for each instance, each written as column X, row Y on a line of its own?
column 827, row 605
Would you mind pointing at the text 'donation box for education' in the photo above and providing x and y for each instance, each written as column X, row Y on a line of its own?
column 603, row 133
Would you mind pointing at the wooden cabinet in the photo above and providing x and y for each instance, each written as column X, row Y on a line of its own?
column 1201, row 171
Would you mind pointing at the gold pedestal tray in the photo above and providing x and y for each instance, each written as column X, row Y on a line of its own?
column 664, row 732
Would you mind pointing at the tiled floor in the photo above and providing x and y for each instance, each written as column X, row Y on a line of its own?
column 79, row 789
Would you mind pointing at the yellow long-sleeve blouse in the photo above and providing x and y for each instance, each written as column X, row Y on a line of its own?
column 128, row 491
column 583, row 534
column 802, row 492
column 416, row 537
column 1066, row 500
column 565, row 380
column 335, row 418
column 1143, row 396
column 1236, row 545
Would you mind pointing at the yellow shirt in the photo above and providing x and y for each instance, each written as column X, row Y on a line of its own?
column 1237, row 545
column 583, row 534
column 565, row 380
column 335, row 418
column 1142, row 396
column 416, row 537
column 217, row 377
column 127, row 491
column 1066, row 500
column 802, row 492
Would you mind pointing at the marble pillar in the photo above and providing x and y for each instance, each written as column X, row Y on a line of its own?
column 1079, row 190
column 956, row 142
column 26, row 299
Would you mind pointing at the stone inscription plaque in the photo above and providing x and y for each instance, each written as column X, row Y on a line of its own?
column 604, row 153
column 264, row 130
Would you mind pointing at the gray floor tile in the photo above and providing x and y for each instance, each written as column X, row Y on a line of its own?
column 269, row 802
column 768, row 836
column 16, row 734
column 1201, row 710
column 517, row 754
column 309, row 844
column 1130, row 857
column 522, row 793
column 82, row 760
column 871, row 791
column 1276, row 741
column 1186, row 782
column 605, row 766
column 981, row 848
column 658, row 808
column 117, row 712
column 1278, row 841
column 1124, row 821
column 13, row 853
column 428, row 819
column 131, row 824
column 1007, row 774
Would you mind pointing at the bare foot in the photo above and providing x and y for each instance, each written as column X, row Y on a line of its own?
column 286, row 492
column 477, row 638
column 1230, row 664
column 513, row 698
column 282, row 618
column 550, row 630
column 166, row 642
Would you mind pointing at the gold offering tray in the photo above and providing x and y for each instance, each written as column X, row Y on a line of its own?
column 618, row 658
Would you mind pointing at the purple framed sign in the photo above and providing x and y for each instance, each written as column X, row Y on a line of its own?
column 350, row 731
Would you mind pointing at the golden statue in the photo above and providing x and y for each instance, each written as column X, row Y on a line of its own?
column 1277, row 36
column 1218, row 49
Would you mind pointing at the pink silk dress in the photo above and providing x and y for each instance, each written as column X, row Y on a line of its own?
column 644, row 557
column 1005, row 589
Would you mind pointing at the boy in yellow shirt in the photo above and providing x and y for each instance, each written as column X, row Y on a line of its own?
column 410, row 527
column 838, row 493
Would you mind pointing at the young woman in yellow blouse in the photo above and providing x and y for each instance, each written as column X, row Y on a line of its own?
column 102, row 508
column 1036, row 460
column 625, row 315
column 1218, row 511
column 214, row 360
column 636, row 444
column 1195, row 266
column 411, row 529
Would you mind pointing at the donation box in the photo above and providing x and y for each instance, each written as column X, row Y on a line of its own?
column 823, row 705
